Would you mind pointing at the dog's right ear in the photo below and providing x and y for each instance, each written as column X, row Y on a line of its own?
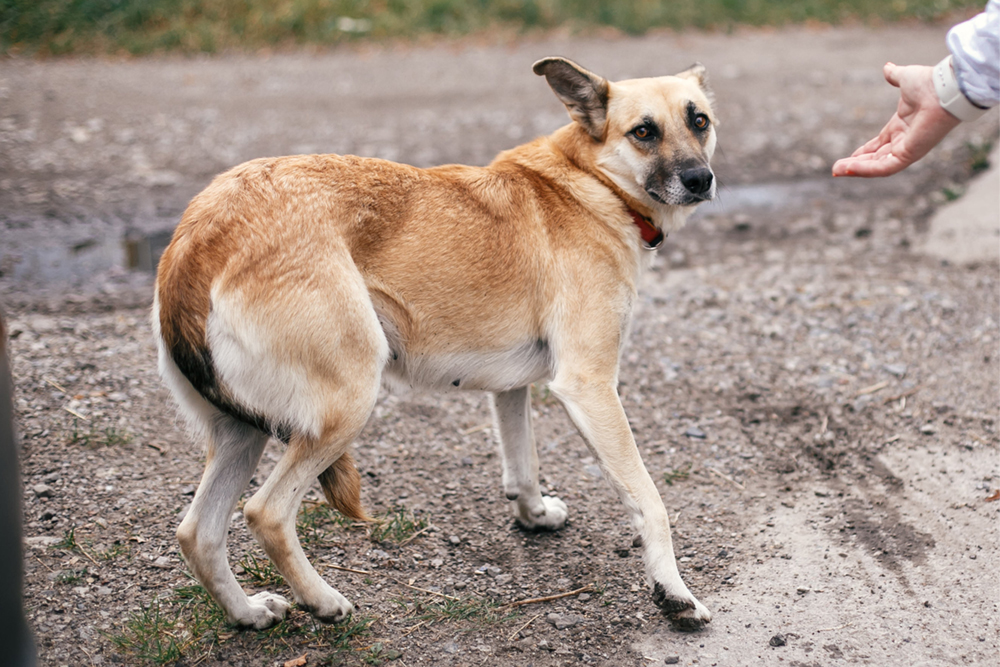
column 584, row 93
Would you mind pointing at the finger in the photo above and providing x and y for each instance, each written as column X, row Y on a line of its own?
column 892, row 72
column 876, row 168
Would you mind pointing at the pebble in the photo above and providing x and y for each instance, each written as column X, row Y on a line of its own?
column 695, row 432
column 928, row 429
column 42, row 490
column 455, row 540
column 503, row 579
column 563, row 621
column 899, row 370
column 778, row 640
column 163, row 562
column 672, row 660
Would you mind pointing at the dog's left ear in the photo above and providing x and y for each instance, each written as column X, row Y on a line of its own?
column 584, row 93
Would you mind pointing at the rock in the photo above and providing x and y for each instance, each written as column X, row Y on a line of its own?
column 928, row 429
column 451, row 647
column 543, row 645
column 104, row 590
column 455, row 540
column 778, row 640
column 594, row 471
column 695, row 432
column 899, row 370
column 672, row 660
column 42, row 541
column 163, row 563
column 437, row 562
column 42, row 490
column 583, row 597
column 563, row 621
column 503, row 579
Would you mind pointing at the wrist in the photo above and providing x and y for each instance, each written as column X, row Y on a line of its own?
column 950, row 95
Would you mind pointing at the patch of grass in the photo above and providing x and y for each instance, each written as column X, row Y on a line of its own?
column 70, row 577
column 396, row 526
column 476, row 610
column 106, row 437
column 379, row 655
column 951, row 194
column 979, row 155
column 316, row 520
column 261, row 572
column 149, row 636
column 144, row 26
column 181, row 627
column 677, row 474
column 68, row 542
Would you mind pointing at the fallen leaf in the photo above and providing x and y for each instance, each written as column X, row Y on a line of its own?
column 298, row 662
column 993, row 496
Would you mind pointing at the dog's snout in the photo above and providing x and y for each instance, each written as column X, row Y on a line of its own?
column 698, row 181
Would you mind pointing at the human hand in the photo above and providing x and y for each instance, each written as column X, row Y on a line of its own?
column 917, row 126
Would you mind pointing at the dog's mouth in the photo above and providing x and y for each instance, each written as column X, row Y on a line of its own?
column 688, row 198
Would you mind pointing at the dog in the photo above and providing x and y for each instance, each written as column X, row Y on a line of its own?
column 294, row 286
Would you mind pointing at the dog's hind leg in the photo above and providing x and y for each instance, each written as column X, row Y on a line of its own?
column 271, row 516
column 512, row 411
column 233, row 453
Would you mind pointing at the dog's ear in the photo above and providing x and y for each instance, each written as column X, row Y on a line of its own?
column 584, row 93
column 699, row 75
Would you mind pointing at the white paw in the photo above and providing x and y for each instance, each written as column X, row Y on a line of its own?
column 263, row 610
column 550, row 514
column 330, row 607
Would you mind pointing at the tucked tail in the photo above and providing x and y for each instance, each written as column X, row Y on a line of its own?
column 341, row 484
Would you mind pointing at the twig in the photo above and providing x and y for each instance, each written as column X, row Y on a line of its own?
column 347, row 569
column 56, row 385
column 413, row 629
column 424, row 590
column 893, row 439
column 530, row 621
column 43, row 564
column 588, row 587
column 414, row 535
column 89, row 557
column 908, row 392
column 75, row 413
column 725, row 477
column 152, row 446
column 839, row 627
column 873, row 388
column 474, row 429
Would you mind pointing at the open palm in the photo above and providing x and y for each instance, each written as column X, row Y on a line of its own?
column 917, row 126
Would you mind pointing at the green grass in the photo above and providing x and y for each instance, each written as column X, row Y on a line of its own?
column 106, row 437
column 145, row 26
column 677, row 474
column 473, row 609
column 396, row 526
column 187, row 625
column 261, row 572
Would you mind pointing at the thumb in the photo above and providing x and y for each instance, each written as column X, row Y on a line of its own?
column 892, row 73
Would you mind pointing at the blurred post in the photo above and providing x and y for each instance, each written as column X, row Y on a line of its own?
column 16, row 642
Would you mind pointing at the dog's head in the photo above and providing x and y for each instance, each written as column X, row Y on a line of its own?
column 653, row 138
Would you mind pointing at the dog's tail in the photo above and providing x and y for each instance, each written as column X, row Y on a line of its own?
column 341, row 484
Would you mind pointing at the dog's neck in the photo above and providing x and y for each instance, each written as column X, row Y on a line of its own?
column 569, row 140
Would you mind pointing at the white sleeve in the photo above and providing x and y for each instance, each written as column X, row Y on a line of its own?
column 975, row 50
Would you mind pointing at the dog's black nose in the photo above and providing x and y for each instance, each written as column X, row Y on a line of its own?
column 698, row 181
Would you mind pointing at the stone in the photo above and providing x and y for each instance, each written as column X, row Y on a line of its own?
column 42, row 491
column 695, row 432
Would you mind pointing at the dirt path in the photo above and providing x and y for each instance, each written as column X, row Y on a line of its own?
column 817, row 402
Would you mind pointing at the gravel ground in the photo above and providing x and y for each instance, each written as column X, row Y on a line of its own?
column 817, row 402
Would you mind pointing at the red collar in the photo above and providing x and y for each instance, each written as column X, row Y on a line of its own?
column 651, row 236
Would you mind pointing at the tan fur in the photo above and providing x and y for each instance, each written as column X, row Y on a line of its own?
column 294, row 284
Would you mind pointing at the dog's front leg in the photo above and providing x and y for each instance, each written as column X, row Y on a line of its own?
column 512, row 411
column 596, row 410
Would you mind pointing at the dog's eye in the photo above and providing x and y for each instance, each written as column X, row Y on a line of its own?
column 642, row 132
column 701, row 121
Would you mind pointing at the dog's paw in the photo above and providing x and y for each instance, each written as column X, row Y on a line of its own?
column 684, row 611
column 551, row 514
column 264, row 610
column 331, row 608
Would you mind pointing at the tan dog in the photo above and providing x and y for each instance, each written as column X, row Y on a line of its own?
column 294, row 285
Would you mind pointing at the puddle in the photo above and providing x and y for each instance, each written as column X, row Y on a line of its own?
column 768, row 197
column 59, row 263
